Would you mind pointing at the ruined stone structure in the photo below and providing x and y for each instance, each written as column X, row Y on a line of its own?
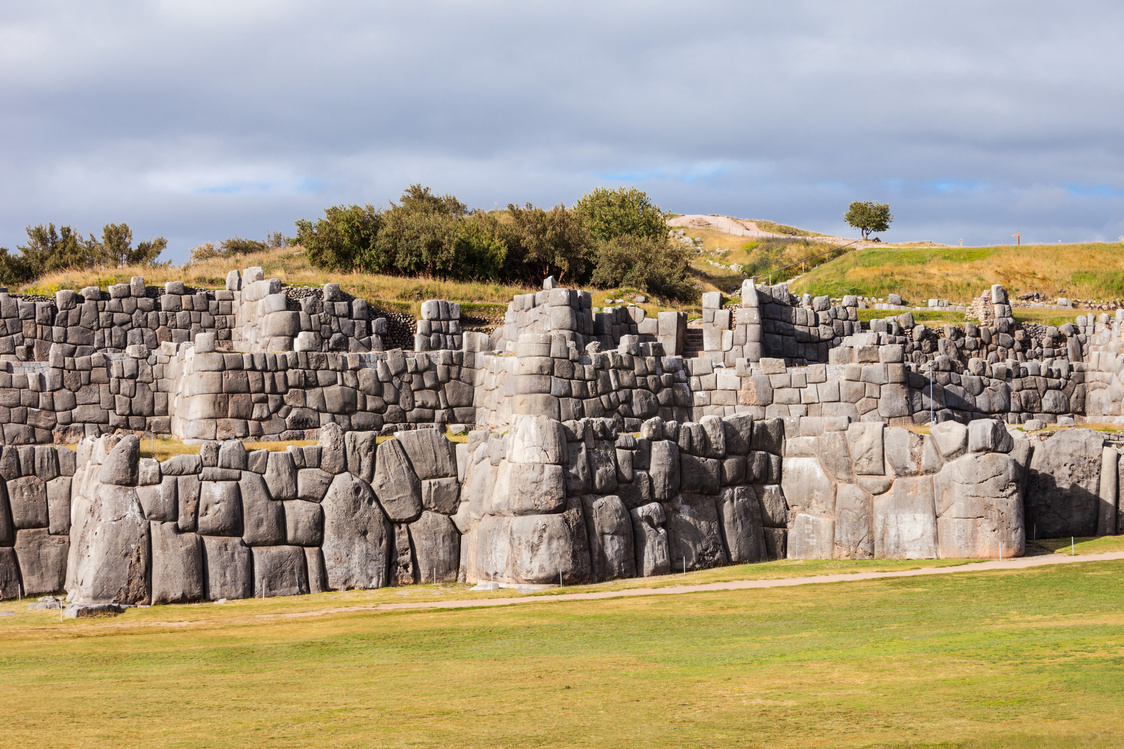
column 600, row 444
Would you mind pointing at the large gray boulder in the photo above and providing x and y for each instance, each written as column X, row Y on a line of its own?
column 357, row 535
column 263, row 520
column 281, row 475
column 9, row 573
column 865, row 443
column 110, row 550
column 42, row 560
column 1061, row 491
column 979, row 508
column 230, row 568
column 611, row 545
column 280, row 571
column 905, row 521
column 775, row 512
column 431, row 455
column 441, row 495
column 120, row 467
column 397, row 486
column 7, row 528
column 650, row 540
column 333, row 451
column 436, row 544
column 529, row 489
column 177, row 565
column 28, row 498
column 1109, row 492
column 220, row 509
column 537, row 439
column 361, row 450
column 742, row 527
column 545, row 546
column 854, row 521
column 304, row 523
column 664, row 470
column 694, row 535
column 806, row 487
column 811, row 537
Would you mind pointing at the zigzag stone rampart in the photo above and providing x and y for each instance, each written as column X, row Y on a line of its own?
column 599, row 444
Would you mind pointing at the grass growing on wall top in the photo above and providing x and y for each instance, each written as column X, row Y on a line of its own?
column 1083, row 271
column 1029, row 658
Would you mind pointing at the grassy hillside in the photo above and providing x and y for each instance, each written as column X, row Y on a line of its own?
column 291, row 265
column 1082, row 271
column 1029, row 658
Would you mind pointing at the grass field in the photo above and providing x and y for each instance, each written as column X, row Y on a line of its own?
column 1029, row 658
column 1082, row 271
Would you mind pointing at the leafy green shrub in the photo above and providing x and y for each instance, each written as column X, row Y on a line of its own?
column 653, row 265
column 607, row 214
column 49, row 249
column 344, row 239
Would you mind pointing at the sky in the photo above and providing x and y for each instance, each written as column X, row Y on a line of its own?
column 198, row 120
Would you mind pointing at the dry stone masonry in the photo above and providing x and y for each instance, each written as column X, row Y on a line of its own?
column 600, row 444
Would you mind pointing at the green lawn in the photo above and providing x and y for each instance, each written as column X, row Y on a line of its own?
column 1029, row 658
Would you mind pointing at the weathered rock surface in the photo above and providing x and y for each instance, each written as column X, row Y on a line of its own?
column 396, row 485
column 230, row 567
column 280, row 571
column 177, row 565
column 694, row 536
column 42, row 560
column 905, row 522
column 357, row 535
column 650, row 540
column 611, row 544
column 436, row 545
column 742, row 527
column 544, row 546
column 110, row 549
column 979, row 509
column 1061, row 491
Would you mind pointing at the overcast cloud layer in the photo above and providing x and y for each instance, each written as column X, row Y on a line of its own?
column 202, row 119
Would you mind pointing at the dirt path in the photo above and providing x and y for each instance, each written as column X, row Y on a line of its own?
column 671, row 590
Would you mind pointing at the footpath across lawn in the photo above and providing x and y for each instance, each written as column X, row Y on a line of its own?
column 1022, row 658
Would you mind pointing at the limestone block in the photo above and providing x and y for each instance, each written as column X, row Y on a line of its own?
column 854, row 523
column 396, row 484
column 431, row 455
column 775, row 512
column 951, row 438
column 738, row 432
column 650, row 540
column 361, row 447
column 9, row 573
column 28, row 499
column 110, row 552
column 121, row 465
column 979, row 510
column 865, row 443
column 611, row 542
column 356, row 535
column 579, row 479
column 281, row 476
column 279, row 571
column 177, row 565
column 220, row 509
column 989, row 435
column 811, row 537
column 694, row 535
column 333, row 451
column 441, row 495
column 834, row 454
column 544, row 547
column 742, row 527
column 905, row 523
column 229, row 566
column 699, row 475
column 529, row 489
column 436, row 544
column 1061, row 492
column 304, row 523
column 807, row 487
column 537, row 439
column 187, row 501
column 1108, row 492
column 42, row 560
column 312, row 483
column 905, row 451
column 603, row 466
column 263, row 520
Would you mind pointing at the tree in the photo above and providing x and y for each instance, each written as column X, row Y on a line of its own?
column 116, row 247
column 869, row 217
column 553, row 243
column 608, row 214
column 344, row 239
column 656, row 266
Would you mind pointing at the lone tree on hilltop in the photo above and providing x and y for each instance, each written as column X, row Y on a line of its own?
column 868, row 216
